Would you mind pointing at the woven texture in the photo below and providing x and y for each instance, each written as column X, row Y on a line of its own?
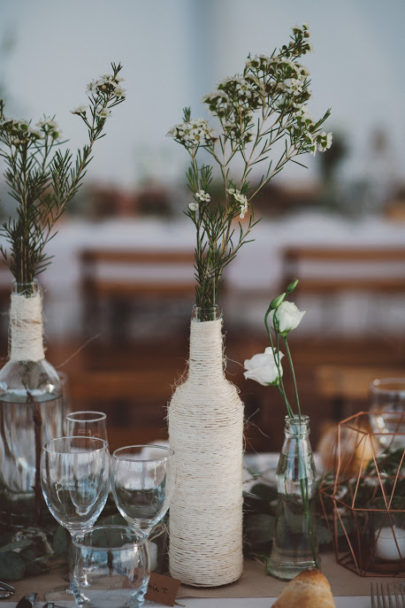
column 26, row 331
column 206, row 432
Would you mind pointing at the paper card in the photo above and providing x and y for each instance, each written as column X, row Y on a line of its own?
column 162, row 589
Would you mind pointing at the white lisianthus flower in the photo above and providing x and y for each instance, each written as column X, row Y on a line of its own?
column 288, row 317
column 262, row 367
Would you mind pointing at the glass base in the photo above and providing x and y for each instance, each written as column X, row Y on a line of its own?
column 287, row 570
column 60, row 594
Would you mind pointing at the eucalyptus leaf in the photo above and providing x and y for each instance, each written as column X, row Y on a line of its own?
column 19, row 544
column 12, row 566
column 259, row 528
column 264, row 491
column 60, row 541
column 35, row 568
column 324, row 537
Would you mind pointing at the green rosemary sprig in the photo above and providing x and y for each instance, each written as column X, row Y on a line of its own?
column 263, row 108
column 42, row 178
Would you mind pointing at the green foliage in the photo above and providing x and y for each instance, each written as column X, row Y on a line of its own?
column 42, row 178
column 260, row 112
column 259, row 516
column 12, row 566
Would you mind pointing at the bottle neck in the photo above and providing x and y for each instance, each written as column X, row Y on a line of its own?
column 297, row 427
column 26, row 329
column 206, row 346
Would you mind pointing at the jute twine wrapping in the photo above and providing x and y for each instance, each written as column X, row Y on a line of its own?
column 26, row 331
column 206, row 432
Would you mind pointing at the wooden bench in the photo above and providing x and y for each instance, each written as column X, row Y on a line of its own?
column 122, row 279
column 329, row 270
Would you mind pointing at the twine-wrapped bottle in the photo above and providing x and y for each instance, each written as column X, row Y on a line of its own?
column 31, row 407
column 206, row 432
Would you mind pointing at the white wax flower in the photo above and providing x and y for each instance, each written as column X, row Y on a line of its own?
column 386, row 547
column 288, row 317
column 262, row 368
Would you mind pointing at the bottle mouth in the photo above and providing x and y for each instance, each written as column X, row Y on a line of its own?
column 29, row 288
column 297, row 426
column 210, row 313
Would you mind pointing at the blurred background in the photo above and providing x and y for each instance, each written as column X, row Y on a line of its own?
column 119, row 292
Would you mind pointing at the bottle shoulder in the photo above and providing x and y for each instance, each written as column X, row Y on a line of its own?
column 39, row 379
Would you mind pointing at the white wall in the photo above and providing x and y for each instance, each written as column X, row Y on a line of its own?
column 174, row 51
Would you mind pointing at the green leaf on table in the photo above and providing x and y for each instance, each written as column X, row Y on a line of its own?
column 12, row 566
column 60, row 541
column 259, row 528
column 17, row 545
column 324, row 537
column 35, row 568
column 264, row 491
column 5, row 537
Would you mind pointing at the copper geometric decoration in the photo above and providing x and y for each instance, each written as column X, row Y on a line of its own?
column 363, row 499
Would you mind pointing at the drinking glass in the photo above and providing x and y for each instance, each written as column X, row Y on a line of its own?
column 87, row 423
column 387, row 409
column 75, row 483
column 111, row 569
column 142, row 482
column 74, row 479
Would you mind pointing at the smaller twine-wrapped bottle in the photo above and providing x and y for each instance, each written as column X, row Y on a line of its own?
column 206, row 433
column 31, row 407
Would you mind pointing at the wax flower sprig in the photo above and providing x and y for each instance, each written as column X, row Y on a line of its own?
column 262, row 123
column 43, row 179
column 266, row 368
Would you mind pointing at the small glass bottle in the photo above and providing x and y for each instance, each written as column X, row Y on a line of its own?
column 295, row 545
column 31, row 408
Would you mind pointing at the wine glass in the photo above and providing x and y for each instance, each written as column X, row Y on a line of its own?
column 75, row 481
column 387, row 411
column 142, row 482
column 87, row 423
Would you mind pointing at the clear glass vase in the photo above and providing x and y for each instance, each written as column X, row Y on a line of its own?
column 31, row 409
column 295, row 546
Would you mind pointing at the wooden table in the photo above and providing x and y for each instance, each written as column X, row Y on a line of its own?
column 253, row 584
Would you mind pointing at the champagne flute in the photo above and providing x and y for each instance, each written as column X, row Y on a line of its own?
column 87, row 423
column 142, row 482
column 75, row 481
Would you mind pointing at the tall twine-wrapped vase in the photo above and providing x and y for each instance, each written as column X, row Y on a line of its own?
column 206, row 433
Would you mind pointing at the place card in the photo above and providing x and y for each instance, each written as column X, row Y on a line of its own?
column 162, row 589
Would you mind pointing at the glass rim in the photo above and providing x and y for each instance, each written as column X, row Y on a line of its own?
column 297, row 419
column 167, row 449
column 78, row 539
column 22, row 283
column 47, row 446
column 97, row 417
column 381, row 386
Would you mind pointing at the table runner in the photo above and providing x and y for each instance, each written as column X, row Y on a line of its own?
column 253, row 584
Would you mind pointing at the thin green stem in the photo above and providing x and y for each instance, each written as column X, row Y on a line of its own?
column 290, row 361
